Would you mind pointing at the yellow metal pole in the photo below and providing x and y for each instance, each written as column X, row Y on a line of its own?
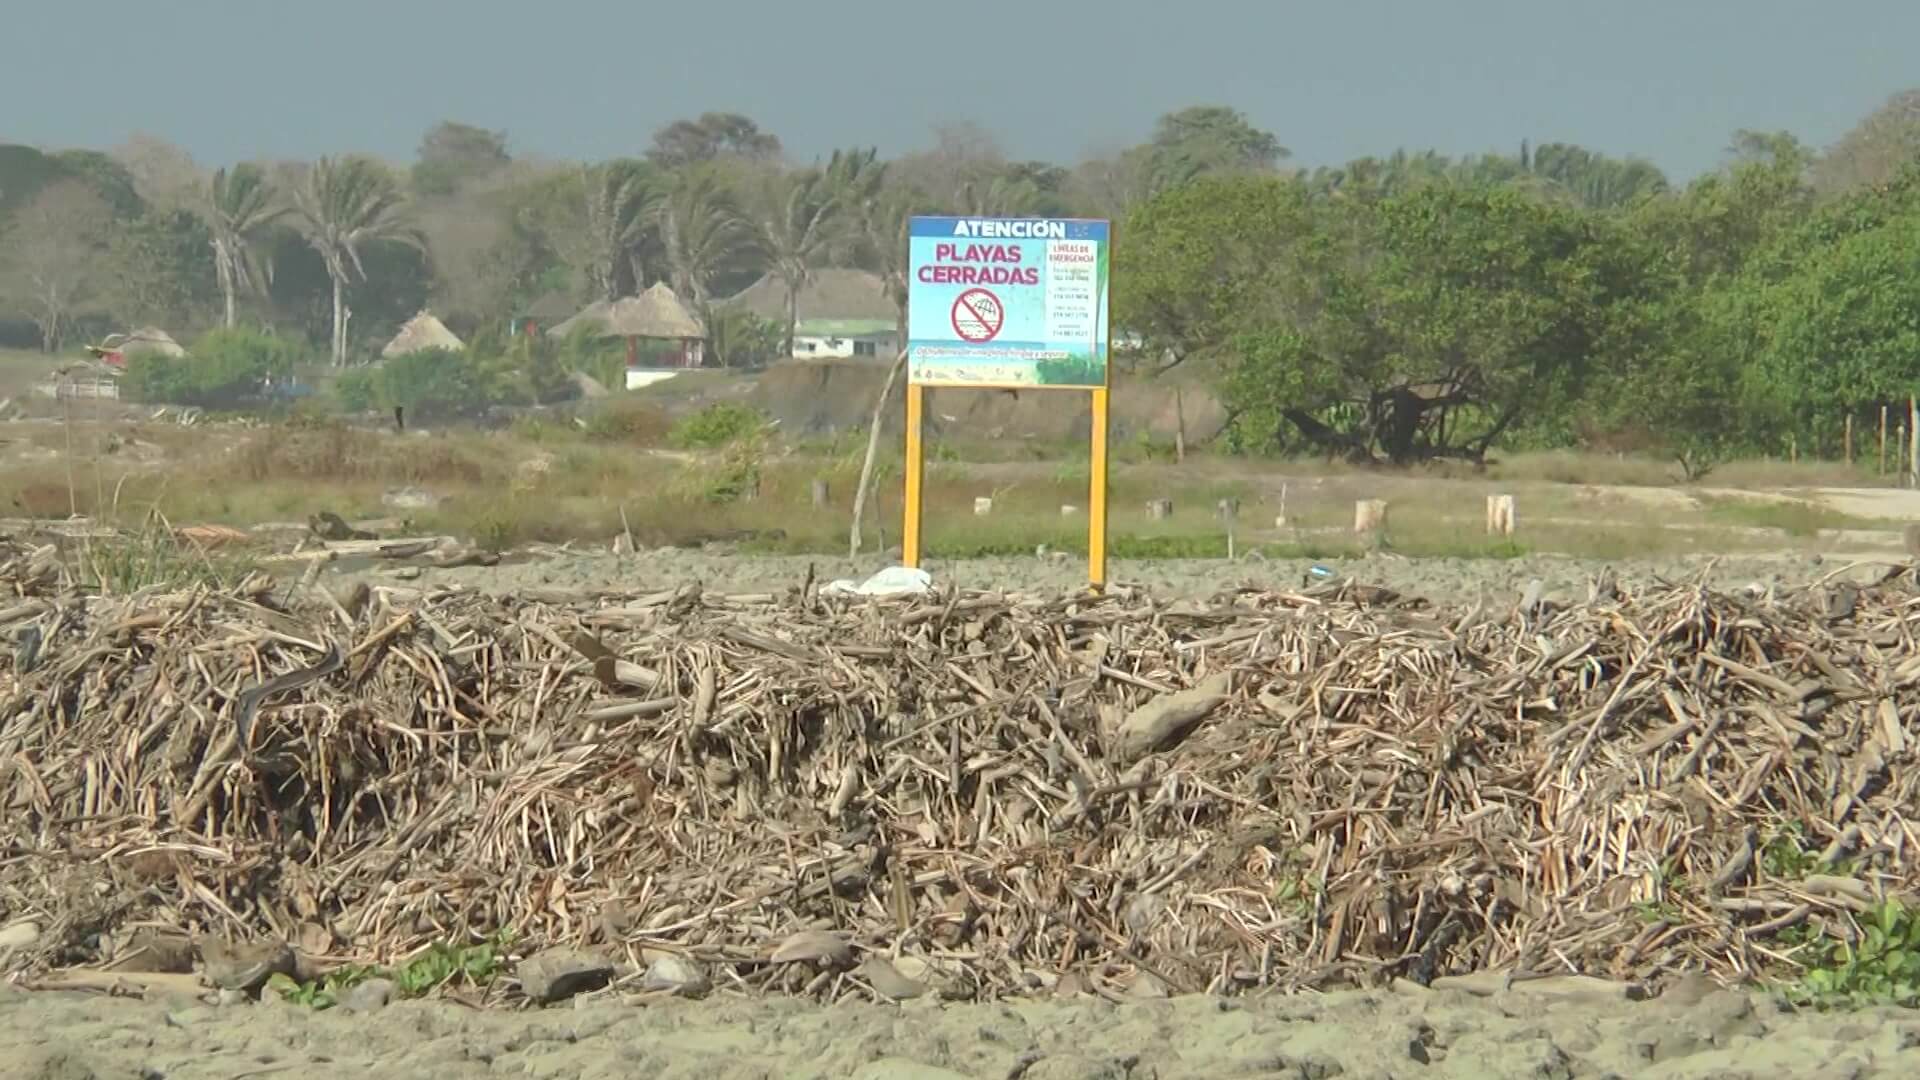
column 910, row 532
column 1097, row 496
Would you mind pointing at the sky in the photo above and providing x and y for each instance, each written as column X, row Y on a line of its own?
column 1669, row 80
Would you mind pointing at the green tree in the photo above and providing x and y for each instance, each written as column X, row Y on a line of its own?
column 224, row 368
column 621, row 198
column 703, row 231
column 1207, row 139
column 162, row 270
column 453, row 155
column 238, row 207
column 344, row 205
column 792, row 217
column 711, row 136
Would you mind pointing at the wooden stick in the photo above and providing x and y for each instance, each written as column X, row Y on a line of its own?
column 1883, row 438
column 1913, row 435
column 873, row 448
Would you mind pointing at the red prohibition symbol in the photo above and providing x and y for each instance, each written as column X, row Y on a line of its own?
column 978, row 316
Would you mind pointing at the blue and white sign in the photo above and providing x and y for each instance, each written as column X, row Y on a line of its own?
column 1007, row 302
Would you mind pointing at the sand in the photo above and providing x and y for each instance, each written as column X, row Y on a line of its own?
column 1405, row 1032
column 1442, row 581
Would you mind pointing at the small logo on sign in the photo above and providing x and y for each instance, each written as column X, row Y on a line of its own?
column 978, row 316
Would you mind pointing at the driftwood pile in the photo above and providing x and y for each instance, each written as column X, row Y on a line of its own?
column 994, row 794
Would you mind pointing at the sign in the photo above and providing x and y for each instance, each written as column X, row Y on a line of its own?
column 1007, row 302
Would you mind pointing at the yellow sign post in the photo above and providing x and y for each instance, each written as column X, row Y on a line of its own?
column 1007, row 303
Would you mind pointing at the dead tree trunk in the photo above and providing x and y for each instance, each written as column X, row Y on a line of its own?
column 873, row 448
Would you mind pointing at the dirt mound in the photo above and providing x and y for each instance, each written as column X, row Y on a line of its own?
column 823, row 397
column 983, row 794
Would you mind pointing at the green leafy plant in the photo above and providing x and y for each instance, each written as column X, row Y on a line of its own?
column 1784, row 855
column 428, row 970
column 717, row 425
column 226, row 368
column 1881, row 968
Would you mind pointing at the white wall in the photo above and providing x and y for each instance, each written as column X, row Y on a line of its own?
column 812, row 347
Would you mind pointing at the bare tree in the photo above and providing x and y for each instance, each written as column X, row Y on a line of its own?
column 52, row 256
column 164, row 175
column 1875, row 150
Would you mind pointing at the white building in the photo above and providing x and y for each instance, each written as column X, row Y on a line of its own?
column 842, row 313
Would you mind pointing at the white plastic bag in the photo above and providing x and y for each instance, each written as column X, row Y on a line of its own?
column 893, row 581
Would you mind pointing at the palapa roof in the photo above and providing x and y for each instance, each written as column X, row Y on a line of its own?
column 422, row 332
column 550, row 305
column 656, row 313
column 151, row 339
column 833, row 294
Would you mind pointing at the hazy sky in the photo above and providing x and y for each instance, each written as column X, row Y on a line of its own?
column 1334, row 79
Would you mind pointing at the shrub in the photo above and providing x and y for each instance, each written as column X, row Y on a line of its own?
column 630, row 420
column 717, row 425
column 225, row 368
column 428, row 383
column 743, row 339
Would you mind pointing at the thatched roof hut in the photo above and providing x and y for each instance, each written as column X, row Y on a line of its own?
column 422, row 332
column 657, row 314
column 151, row 340
column 831, row 296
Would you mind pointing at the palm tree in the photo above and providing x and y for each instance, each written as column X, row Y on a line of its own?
column 344, row 205
column 620, row 196
column 702, row 230
column 792, row 217
column 239, row 207
column 878, row 216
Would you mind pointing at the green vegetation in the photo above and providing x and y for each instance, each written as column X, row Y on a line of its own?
column 717, row 425
column 225, row 369
column 1880, row 967
column 436, row 966
column 153, row 557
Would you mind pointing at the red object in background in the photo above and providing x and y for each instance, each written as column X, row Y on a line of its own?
column 114, row 358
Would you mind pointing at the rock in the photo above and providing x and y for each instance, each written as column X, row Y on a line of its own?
column 814, row 945
column 244, row 966
column 1167, row 719
column 227, row 998
column 1147, row 986
column 155, row 950
column 410, row 498
column 370, row 996
column 1688, row 990
column 677, row 975
column 559, row 973
column 899, row 1068
column 887, row 981
column 20, row 935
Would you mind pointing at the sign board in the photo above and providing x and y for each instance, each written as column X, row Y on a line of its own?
column 1007, row 302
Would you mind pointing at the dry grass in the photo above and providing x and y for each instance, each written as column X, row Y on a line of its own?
column 556, row 481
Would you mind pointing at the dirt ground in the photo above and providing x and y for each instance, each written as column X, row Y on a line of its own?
column 1693, row 1032
column 1442, row 581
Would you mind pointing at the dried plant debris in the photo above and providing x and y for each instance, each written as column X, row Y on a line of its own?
column 973, row 794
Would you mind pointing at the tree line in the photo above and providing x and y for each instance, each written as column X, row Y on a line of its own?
column 1399, row 307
